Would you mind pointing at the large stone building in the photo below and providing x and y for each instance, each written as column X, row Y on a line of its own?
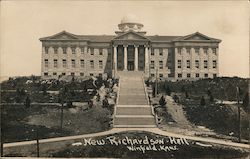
column 174, row 57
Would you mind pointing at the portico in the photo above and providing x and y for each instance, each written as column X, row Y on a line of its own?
column 130, row 57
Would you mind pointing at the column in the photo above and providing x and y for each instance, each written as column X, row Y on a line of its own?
column 146, row 56
column 146, row 67
column 136, row 57
column 125, row 57
column 115, row 58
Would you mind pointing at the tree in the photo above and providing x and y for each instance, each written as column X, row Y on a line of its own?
column 186, row 94
column 44, row 89
column 168, row 91
column 183, row 89
column 211, row 98
column 202, row 102
column 153, row 88
column 209, row 92
column 246, row 102
column 162, row 101
column 105, row 102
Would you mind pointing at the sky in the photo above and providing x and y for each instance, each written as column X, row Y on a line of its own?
column 24, row 22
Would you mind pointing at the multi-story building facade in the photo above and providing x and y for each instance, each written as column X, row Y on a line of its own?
column 175, row 57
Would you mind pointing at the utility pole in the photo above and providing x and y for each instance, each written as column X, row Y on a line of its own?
column 61, row 117
column 1, row 132
column 37, row 143
column 239, row 120
column 156, row 82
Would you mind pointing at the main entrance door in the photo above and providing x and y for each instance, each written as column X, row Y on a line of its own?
column 131, row 58
column 131, row 65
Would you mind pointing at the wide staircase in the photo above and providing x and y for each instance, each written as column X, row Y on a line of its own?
column 132, row 108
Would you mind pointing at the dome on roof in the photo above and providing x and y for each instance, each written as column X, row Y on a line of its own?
column 130, row 18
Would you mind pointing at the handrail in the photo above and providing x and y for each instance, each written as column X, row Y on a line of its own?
column 146, row 94
column 117, row 99
column 152, row 109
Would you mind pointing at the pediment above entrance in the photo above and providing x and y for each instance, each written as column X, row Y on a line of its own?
column 131, row 36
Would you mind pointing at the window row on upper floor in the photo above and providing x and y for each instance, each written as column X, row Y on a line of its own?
column 73, row 63
column 179, row 50
column 197, row 64
column 197, row 50
column 74, row 50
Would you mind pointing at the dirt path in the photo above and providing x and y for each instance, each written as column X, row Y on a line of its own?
column 177, row 112
column 181, row 124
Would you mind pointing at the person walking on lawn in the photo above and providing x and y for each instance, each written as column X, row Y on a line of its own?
column 27, row 102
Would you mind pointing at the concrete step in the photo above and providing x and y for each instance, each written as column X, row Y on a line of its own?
column 126, row 100
column 134, row 120
column 133, row 110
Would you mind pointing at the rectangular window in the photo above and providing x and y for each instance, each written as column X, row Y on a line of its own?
column 214, row 64
column 152, row 52
column 91, row 51
column 188, row 75
column 206, row 75
column 73, row 63
column 179, row 63
column 100, row 51
column 160, row 64
column 152, row 75
column 64, row 63
column 197, row 50
column 152, row 65
column 54, row 73
column 63, row 74
column 197, row 75
column 46, row 62
column 81, row 74
column 82, row 50
column 214, row 75
column 205, row 63
column 160, row 52
column 72, row 74
column 179, row 75
column 46, row 50
column 91, row 74
column 73, row 50
column 55, row 63
column 82, row 63
column 205, row 50
column 64, row 50
column 91, row 64
column 179, row 50
column 45, row 74
column 197, row 64
column 188, row 63
column 214, row 50
column 55, row 50
column 160, row 75
column 100, row 64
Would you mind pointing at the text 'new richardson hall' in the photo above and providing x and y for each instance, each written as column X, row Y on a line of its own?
column 192, row 56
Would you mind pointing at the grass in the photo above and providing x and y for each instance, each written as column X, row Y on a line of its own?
column 222, row 118
column 46, row 119
column 121, row 151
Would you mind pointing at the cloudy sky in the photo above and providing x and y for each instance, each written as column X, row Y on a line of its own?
column 23, row 23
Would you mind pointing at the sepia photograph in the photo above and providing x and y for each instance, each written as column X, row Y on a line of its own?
column 124, row 79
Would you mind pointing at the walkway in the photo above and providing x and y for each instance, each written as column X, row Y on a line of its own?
column 120, row 130
column 132, row 109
